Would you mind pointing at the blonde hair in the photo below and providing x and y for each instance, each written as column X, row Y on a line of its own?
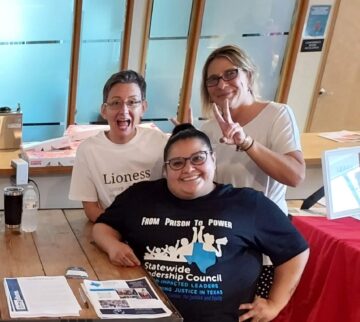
column 239, row 58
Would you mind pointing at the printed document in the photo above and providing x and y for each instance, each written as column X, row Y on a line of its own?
column 40, row 296
column 125, row 299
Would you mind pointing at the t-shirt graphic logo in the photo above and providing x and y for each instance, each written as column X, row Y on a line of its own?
column 200, row 251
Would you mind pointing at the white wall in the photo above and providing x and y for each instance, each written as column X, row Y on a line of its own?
column 306, row 74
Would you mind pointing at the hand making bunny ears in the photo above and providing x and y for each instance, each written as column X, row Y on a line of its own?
column 233, row 133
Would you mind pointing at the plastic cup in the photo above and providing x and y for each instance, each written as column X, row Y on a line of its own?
column 13, row 204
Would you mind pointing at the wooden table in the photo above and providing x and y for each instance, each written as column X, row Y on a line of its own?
column 7, row 170
column 62, row 240
column 313, row 146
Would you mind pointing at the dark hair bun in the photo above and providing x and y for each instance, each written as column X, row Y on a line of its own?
column 181, row 127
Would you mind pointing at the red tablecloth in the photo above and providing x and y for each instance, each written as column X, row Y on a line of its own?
column 329, row 290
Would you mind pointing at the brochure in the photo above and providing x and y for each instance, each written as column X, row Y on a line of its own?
column 125, row 299
column 40, row 296
column 342, row 136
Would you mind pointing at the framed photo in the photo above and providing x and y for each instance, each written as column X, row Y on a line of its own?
column 341, row 176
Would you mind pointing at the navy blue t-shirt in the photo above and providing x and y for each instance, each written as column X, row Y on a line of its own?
column 205, row 253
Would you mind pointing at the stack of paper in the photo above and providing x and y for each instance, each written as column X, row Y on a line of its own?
column 125, row 299
column 40, row 296
column 342, row 136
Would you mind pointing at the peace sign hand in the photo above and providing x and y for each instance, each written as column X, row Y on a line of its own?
column 233, row 133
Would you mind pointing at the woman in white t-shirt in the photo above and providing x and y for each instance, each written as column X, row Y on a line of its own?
column 110, row 162
column 256, row 142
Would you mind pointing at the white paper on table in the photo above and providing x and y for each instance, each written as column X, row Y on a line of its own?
column 40, row 296
column 342, row 136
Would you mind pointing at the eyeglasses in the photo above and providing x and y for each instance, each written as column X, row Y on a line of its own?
column 117, row 104
column 197, row 158
column 227, row 75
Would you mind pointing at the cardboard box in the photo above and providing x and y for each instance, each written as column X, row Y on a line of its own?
column 10, row 130
column 53, row 158
column 74, row 135
column 82, row 132
column 48, row 145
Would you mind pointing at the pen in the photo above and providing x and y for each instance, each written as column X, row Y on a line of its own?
column 83, row 298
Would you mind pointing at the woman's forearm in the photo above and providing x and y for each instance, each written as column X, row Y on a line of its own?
column 286, row 279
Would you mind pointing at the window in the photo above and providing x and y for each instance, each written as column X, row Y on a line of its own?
column 259, row 27
column 57, row 54
column 166, row 58
column 35, row 50
column 102, row 30
column 36, row 45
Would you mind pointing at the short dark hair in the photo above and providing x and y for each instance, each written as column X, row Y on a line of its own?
column 125, row 77
column 185, row 131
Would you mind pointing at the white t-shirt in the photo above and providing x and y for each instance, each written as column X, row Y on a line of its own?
column 104, row 169
column 275, row 127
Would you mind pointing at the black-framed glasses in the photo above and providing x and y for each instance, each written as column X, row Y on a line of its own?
column 197, row 158
column 117, row 104
column 226, row 76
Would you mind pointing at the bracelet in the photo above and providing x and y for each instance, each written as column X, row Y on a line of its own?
column 246, row 145
column 251, row 144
